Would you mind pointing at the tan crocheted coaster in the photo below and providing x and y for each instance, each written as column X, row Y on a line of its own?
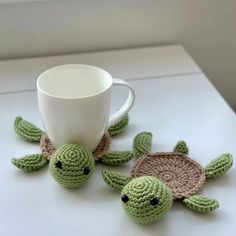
column 181, row 174
column 48, row 149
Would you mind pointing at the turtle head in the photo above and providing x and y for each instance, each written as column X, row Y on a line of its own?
column 146, row 199
column 71, row 165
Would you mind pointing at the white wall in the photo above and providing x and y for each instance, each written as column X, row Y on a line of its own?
column 206, row 28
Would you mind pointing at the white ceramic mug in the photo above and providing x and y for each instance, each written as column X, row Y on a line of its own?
column 74, row 102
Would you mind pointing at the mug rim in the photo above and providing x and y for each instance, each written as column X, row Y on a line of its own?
column 77, row 65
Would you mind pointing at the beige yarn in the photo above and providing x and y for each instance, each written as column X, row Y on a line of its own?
column 102, row 147
column 183, row 175
column 48, row 149
column 46, row 146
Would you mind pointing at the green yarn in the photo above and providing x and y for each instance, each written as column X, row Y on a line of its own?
column 30, row 162
column 142, row 193
column 116, row 158
column 219, row 166
column 142, row 144
column 201, row 204
column 27, row 130
column 182, row 147
column 114, row 179
column 71, row 165
column 157, row 180
column 120, row 126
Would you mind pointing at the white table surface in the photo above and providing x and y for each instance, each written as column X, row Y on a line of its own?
column 181, row 105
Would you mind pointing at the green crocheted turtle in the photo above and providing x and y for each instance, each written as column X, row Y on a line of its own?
column 71, row 165
column 159, row 178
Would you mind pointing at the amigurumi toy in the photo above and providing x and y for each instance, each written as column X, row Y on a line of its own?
column 159, row 178
column 71, row 165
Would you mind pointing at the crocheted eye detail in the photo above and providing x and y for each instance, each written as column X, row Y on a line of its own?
column 58, row 164
column 86, row 170
column 124, row 198
column 154, row 201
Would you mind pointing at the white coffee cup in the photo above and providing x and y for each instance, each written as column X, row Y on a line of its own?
column 74, row 102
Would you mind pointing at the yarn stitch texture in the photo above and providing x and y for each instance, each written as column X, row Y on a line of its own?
column 179, row 175
column 27, row 130
column 30, row 162
column 140, row 191
column 68, row 163
column 142, row 144
column 74, row 161
column 120, row 126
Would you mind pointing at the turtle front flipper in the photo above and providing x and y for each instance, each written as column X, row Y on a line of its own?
column 115, row 180
column 219, row 166
column 27, row 130
column 201, row 204
column 142, row 144
column 181, row 147
column 116, row 158
column 29, row 163
column 120, row 126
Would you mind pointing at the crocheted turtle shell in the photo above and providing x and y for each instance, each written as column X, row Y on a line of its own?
column 182, row 175
column 48, row 149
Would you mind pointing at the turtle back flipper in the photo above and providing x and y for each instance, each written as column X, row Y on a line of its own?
column 116, row 158
column 142, row 144
column 201, row 204
column 27, row 130
column 120, row 126
column 181, row 147
column 30, row 163
column 115, row 180
column 219, row 166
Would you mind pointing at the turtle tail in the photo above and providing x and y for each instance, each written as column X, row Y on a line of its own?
column 181, row 147
column 27, row 130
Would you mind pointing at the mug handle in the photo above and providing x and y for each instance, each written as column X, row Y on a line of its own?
column 127, row 105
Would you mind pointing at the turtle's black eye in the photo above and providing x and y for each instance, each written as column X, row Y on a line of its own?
column 124, row 198
column 58, row 164
column 154, row 201
column 86, row 170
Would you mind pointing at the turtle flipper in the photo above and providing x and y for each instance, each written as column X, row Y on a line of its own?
column 116, row 158
column 115, row 180
column 219, row 166
column 120, row 126
column 27, row 130
column 142, row 144
column 29, row 163
column 181, row 147
column 201, row 204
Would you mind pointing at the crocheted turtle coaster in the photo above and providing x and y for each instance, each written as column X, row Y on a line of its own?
column 71, row 164
column 159, row 178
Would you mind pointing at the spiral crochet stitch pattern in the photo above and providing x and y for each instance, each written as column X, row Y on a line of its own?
column 159, row 178
column 146, row 199
column 71, row 165
column 68, row 163
column 183, row 175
